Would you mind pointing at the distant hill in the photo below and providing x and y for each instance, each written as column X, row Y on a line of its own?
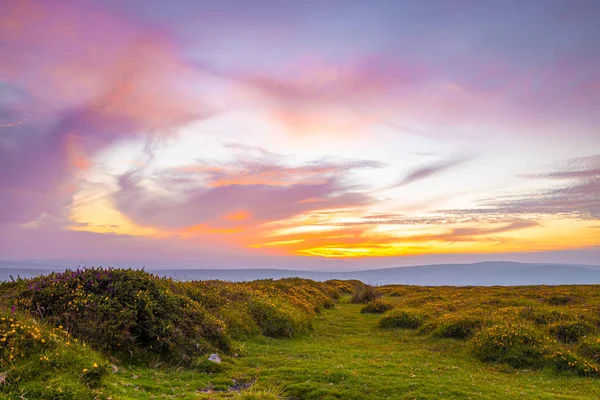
column 478, row 274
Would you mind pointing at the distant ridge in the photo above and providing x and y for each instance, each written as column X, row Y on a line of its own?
column 477, row 274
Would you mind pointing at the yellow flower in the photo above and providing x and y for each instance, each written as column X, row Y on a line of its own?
column 95, row 365
column 85, row 370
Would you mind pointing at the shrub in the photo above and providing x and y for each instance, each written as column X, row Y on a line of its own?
column 457, row 326
column 127, row 312
column 377, row 306
column 570, row 331
column 559, row 299
column 515, row 345
column 563, row 361
column 46, row 362
column 364, row 294
column 590, row 348
column 420, row 300
column 344, row 287
column 277, row 320
column 543, row 316
column 409, row 319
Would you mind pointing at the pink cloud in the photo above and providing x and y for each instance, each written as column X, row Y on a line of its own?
column 79, row 79
column 266, row 192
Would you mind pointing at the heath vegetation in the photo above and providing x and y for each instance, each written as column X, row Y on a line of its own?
column 127, row 334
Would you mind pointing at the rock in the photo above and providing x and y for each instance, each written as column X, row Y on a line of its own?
column 215, row 358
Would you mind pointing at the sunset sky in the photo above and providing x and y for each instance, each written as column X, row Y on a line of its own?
column 299, row 134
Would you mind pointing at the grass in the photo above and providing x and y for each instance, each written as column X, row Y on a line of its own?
column 347, row 356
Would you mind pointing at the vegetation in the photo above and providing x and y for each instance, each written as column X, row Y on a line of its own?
column 377, row 306
column 125, row 334
column 364, row 294
column 409, row 319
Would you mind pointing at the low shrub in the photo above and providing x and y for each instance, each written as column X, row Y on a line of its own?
column 544, row 316
column 343, row 287
column 377, row 306
column 457, row 326
column 409, row 319
column 46, row 362
column 563, row 361
column 570, row 331
column 515, row 345
column 364, row 294
column 277, row 320
column 559, row 299
column 423, row 299
column 590, row 348
column 127, row 312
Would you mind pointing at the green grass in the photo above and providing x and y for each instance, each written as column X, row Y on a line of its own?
column 347, row 356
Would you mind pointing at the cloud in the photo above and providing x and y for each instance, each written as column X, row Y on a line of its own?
column 264, row 191
column 577, row 197
column 129, row 84
column 429, row 170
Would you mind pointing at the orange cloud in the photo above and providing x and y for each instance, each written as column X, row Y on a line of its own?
column 237, row 216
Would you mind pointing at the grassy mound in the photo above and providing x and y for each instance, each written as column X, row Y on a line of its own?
column 457, row 326
column 408, row 319
column 516, row 345
column 125, row 312
column 377, row 306
column 38, row 361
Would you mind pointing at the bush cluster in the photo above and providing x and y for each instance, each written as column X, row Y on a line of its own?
column 134, row 313
column 457, row 326
column 364, row 294
column 570, row 331
column 516, row 345
column 409, row 319
column 46, row 362
column 125, row 312
column 377, row 306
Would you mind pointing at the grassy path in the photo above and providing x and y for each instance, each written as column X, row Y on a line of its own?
column 348, row 357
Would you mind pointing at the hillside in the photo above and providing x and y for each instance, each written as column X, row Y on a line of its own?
column 126, row 334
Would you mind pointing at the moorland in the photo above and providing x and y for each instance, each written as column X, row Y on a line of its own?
column 127, row 334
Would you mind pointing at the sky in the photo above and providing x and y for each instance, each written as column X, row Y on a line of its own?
column 315, row 134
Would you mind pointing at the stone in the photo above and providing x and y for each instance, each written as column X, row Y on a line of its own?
column 215, row 358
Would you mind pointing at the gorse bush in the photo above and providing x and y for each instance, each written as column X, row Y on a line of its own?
column 457, row 326
column 377, row 306
column 560, row 299
column 544, row 316
column 134, row 313
column 277, row 320
column 566, row 361
column 125, row 311
column 364, row 294
column 515, row 345
column 46, row 362
column 570, row 331
column 409, row 319
column 590, row 348
column 281, row 308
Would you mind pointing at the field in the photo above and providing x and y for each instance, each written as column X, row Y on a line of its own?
column 122, row 334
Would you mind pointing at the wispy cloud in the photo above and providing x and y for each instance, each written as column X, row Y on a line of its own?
column 263, row 191
column 577, row 197
column 127, row 85
column 429, row 170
